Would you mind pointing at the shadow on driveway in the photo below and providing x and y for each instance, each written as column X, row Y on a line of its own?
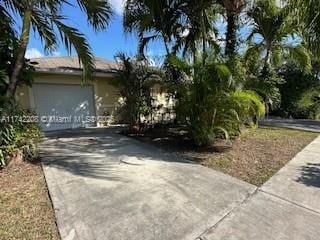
column 310, row 175
column 97, row 153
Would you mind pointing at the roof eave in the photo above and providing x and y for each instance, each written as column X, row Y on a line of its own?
column 73, row 72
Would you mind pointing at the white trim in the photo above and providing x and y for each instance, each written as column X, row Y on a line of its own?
column 73, row 72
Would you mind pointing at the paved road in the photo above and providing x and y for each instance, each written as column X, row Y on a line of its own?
column 299, row 124
column 106, row 186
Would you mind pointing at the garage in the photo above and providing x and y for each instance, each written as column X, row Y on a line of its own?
column 63, row 106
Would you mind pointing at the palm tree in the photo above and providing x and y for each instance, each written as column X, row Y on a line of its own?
column 232, row 8
column 271, row 35
column 211, row 105
column 179, row 24
column 151, row 20
column 307, row 12
column 45, row 18
column 134, row 81
column 198, row 18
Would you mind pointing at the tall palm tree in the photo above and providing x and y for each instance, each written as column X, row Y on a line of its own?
column 152, row 20
column 271, row 35
column 198, row 18
column 233, row 9
column 180, row 24
column 45, row 17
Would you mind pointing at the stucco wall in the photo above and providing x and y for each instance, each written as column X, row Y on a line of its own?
column 106, row 95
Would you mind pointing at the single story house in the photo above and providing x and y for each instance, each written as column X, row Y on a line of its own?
column 62, row 101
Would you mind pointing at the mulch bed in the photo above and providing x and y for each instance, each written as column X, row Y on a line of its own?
column 25, row 208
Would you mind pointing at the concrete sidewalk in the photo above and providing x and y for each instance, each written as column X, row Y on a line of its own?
column 287, row 207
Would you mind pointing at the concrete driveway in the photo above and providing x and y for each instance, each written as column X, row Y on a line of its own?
column 107, row 186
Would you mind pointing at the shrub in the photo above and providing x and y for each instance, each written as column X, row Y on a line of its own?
column 299, row 93
column 309, row 104
column 16, row 134
column 135, row 80
column 211, row 105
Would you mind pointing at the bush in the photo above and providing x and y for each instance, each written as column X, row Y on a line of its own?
column 212, row 106
column 135, row 80
column 16, row 134
column 309, row 104
column 299, row 93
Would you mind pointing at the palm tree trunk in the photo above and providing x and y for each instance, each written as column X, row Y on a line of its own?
column 204, row 39
column 267, row 59
column 231, row 36
column 166, row 45
column 19, row 61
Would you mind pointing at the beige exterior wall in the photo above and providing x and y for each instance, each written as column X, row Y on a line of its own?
column 23, row 96
column 106, row 96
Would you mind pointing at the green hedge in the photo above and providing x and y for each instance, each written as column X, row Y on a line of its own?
column 17, row 134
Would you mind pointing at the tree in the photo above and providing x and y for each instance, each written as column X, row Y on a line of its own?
column 211, row 105
column 232, row 8
column 151, row 20
column 273, row 27
column 135, row 80
column 307, row 13
column 198, row 28
column 179, row 24
column 8, row 45
column 45, row 17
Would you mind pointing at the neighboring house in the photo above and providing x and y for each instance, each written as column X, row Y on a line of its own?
column 62, row 100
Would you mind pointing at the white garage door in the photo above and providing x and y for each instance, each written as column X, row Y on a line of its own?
column 62, row 106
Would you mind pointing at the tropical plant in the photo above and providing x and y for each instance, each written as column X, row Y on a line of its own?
column 297, row 91
column 17, row 135
column 307, row 13
column 309, row 104
column 8, row 45
column 232, row 9
column 181, row 25
column 273, row 36
column 196, row 28
column 135, row 80
column 45, row 17
column 151, row 20
column 211, row 105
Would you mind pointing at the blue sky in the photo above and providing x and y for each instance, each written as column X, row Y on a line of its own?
column 108, row 43
column 104, row 44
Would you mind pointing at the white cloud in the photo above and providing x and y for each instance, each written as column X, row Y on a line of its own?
column 33, row 53
column 118, row 6
column 56, row 53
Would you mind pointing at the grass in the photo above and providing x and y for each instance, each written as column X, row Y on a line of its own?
column 259, row 153
column 25, row 208
column 254, row 157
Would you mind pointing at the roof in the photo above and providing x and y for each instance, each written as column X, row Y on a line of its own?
column 71, row 65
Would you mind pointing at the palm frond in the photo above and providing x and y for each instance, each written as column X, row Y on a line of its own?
column 42, row 24
column 73, row 39
column 98, row 12
column 301, row 56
